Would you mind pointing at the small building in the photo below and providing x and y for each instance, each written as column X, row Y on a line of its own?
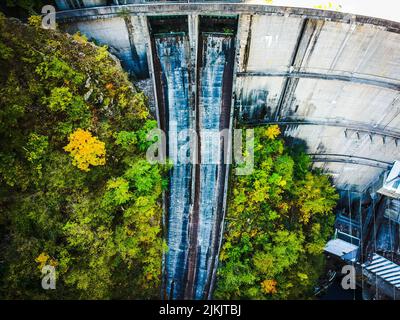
column 368, row 235
column 391, row 184
column 342, row 249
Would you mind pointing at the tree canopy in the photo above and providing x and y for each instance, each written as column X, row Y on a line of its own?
column 279, row 219
column 75, row 189
column 77, row 193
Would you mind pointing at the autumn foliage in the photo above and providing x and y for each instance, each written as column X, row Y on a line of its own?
column 269, row 286
column 272, row 132
column 86, row 150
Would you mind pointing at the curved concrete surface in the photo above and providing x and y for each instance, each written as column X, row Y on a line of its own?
column 293, row 65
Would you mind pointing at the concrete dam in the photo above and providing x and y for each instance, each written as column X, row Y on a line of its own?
column 331, row 80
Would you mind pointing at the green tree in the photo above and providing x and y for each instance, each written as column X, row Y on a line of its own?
column 100, row 228
column 278, row 221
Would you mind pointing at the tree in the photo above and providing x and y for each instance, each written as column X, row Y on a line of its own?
column 64, row 106
column 279, row 219
column 85, row 150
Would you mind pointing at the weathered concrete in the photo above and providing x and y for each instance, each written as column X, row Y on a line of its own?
column 330, row 82
column 124, row 35
column 340, row 90
column 220, row 8
column 294, row 65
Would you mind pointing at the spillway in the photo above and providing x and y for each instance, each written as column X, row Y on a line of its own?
column 194, row 201
column 213, row 111
column 174, row 77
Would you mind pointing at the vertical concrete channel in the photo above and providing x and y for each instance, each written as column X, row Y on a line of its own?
column 193, row 60
column 170, row 48
column 215, row 72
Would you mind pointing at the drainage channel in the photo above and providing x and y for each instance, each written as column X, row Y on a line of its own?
column 193, row 215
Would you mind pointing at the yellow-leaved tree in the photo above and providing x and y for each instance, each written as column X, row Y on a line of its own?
column 85, row 150
column 272, row 132
column 269, row 286
column 44, row 259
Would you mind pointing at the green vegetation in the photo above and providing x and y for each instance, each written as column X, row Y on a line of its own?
column 77, row 193
column 279, row 219
column 24, row 8
column 75, row 189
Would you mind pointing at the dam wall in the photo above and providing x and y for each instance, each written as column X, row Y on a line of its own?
column 331, row 85
column 330, row 79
